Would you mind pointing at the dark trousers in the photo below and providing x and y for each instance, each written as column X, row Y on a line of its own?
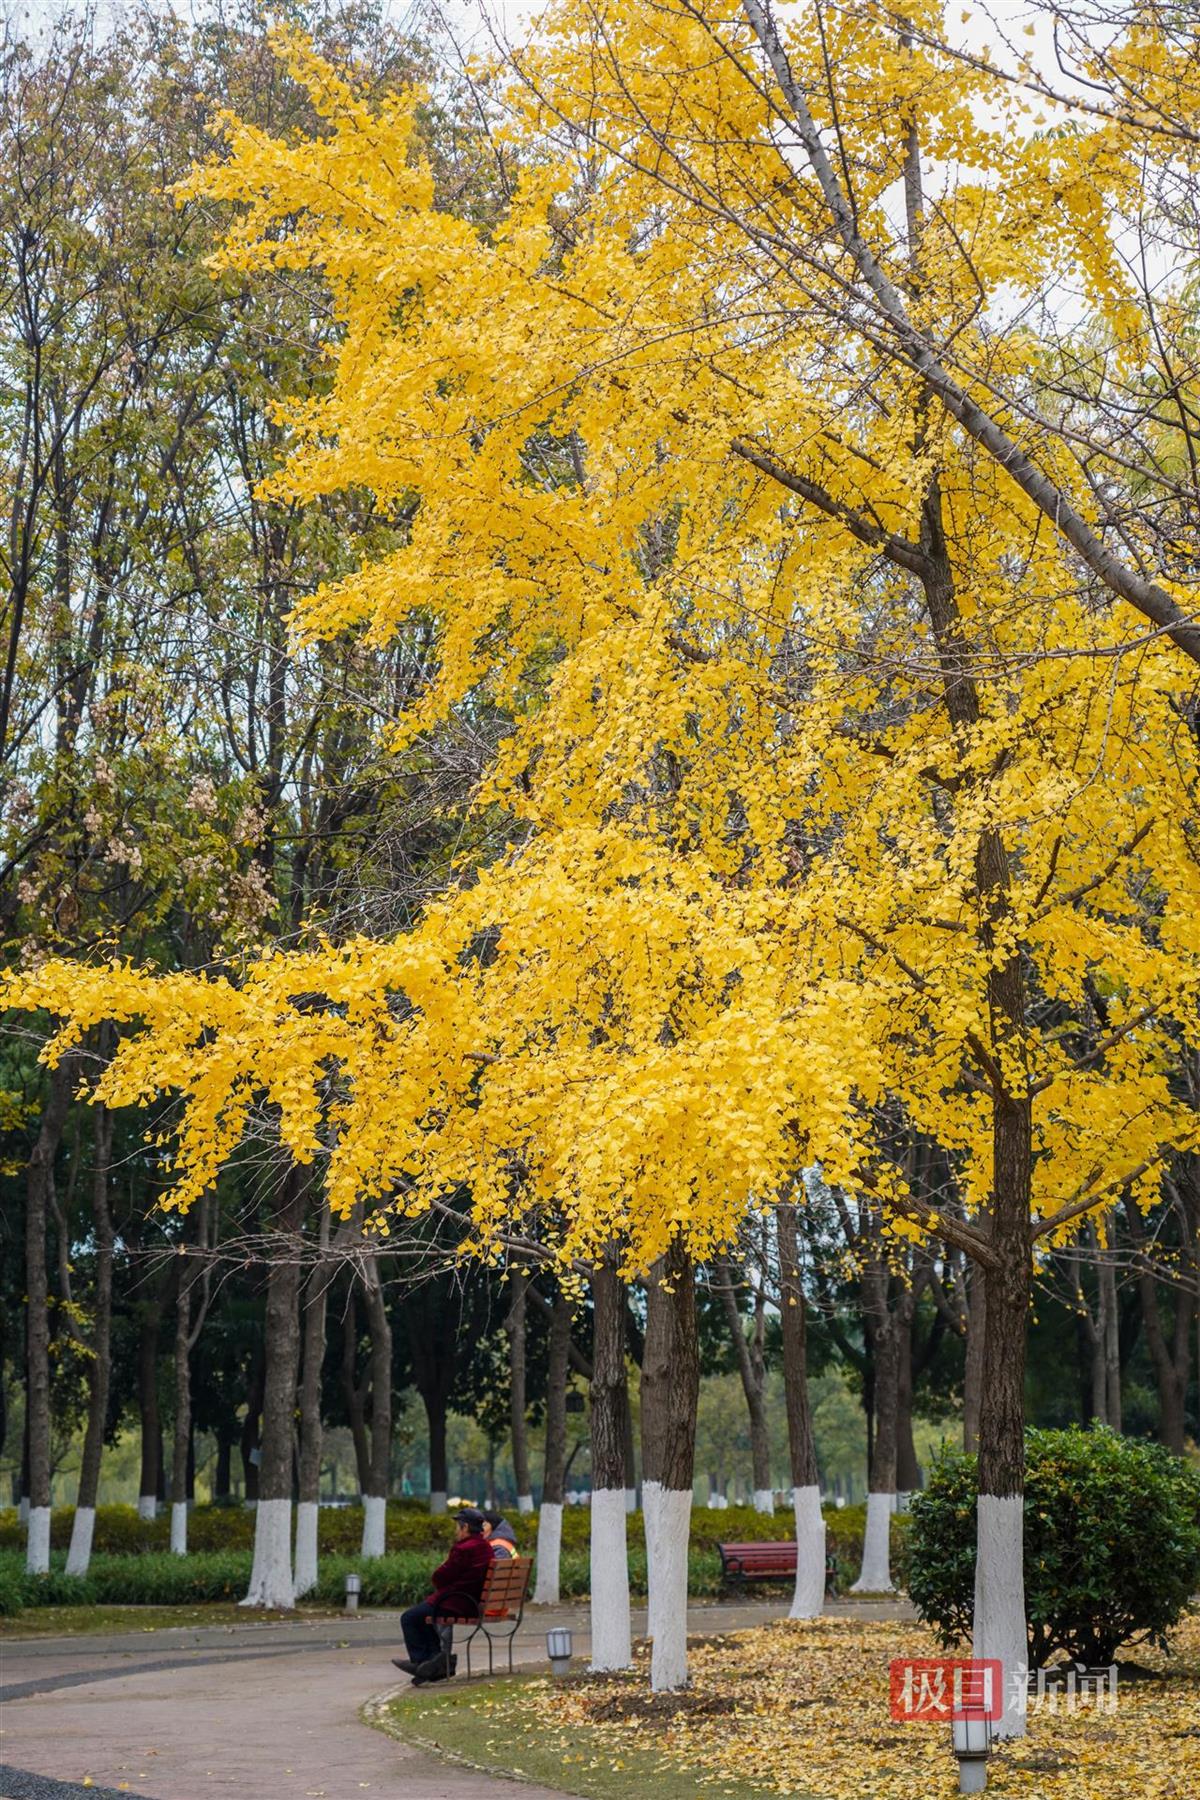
column 423, row 1637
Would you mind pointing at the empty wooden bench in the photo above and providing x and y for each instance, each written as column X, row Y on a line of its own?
column 497, row 1613
column 764, row 1562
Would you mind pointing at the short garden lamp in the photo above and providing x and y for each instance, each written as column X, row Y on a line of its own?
column 558, row 1649
column 972, row 1741
column 353, row 1590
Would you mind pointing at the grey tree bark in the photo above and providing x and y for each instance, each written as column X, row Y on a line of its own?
column 308, row 1463
column 752, row 1368
column 271, row 1578
column 518, row 1401
column 100, row 1367
column 191, row 1306
column 39, row 1180
column 670, row 1392
column 549, row 1548
column 375, row 1496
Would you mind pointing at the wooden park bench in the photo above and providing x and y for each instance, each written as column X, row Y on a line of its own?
column 741, row 1563
column 497, row 1613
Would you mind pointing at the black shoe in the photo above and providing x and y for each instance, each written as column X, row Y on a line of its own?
column 436, row 1669
column 402, row 1662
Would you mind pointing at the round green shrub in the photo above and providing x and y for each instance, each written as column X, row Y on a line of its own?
column 1112, row 1544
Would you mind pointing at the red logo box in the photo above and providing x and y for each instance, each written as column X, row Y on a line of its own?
column 945, row 1688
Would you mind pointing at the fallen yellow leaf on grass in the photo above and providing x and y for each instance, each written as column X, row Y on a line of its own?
column 803, row 1707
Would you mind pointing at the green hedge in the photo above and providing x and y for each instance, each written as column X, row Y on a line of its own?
column 140, row 1572
column 120, row 1532
column 152, row 1579
column 1111, row 1544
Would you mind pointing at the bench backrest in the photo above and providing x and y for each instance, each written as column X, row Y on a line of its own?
column 760, row 1556
column 505, row 1586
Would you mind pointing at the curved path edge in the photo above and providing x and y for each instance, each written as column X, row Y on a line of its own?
column 374, row 1712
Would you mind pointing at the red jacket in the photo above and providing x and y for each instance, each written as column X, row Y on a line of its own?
column 464, row 1570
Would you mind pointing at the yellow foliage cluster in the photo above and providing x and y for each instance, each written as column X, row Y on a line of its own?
column 656, row 507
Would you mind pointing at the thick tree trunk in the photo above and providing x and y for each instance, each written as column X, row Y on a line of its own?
column 308, row 1485
column 973, row 1373
column 549, row 1541
column 999, row 1622
column 808, row 1598
column 670, row 1391
column 100, row 1370
column 752, row 1369
column 191, row 1305
column 876, row 1575
column 181, row 1438
column 271, row 1580
column 23, row 1478
column 251, row 1433
column 39, row 1181
column 150, row 1477
column 1000, row 1630
column 611, row 1429
column 375, row 1498
column 516, row 1389
column 353, row 1391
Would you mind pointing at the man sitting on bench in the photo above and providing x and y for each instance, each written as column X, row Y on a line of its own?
column 460, row 1577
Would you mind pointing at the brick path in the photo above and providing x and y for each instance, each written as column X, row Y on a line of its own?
column 265, row 1711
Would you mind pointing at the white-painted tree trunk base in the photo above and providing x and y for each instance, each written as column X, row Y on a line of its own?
column 1000, row 1603
column 271, row 1582
column 876, row 1577
column 307, row 1513
column 147, row 1506
column 808, row 1599
column 524, row 1503
column 549, row 1548
column 437, row 1503
column 374, row 1531
column 179, row 1527
column 37, row 1544
column 630, row 1500
column 250, row 1505
column 23, row 1510
column 80, row 1553
column 903, row 1500
column 764, row 1500
column 612, row 1636
column 668, row 1513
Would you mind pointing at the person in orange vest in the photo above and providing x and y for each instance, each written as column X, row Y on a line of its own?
column 499, row 1534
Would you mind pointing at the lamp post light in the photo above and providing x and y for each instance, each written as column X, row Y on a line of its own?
column 353, row 1590
column 972, row 1737
column 558, row 1649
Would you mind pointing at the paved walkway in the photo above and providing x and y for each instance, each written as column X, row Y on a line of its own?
column 269, row 1711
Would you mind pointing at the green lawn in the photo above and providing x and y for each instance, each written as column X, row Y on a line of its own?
column 481, row 1724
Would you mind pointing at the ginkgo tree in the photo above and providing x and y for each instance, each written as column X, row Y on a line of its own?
column 838, row 790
